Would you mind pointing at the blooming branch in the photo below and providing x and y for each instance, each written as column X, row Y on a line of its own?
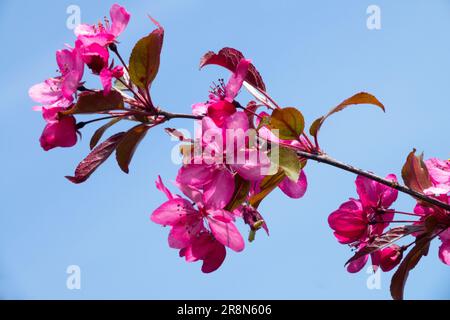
column 239, row 155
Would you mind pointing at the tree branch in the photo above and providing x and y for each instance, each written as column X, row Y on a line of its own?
column 323, row 158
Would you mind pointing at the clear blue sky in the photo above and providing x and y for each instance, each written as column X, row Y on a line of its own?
column 312, row 54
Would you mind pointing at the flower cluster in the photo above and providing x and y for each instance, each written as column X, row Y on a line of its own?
column 361, row 223
column 239, row 155
column 214, row 179
column 58, row 94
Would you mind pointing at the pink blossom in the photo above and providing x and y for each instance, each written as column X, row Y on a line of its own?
column 221, row 100
column 439, row 171
column 60, row 90
column 189, row 224
column 59, row 132
column 357, row 221
column 443, row 218
column 106, row 34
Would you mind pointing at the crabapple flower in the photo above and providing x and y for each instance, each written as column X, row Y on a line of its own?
column 439, row 171
column 189, row 224
column 443, row 219
column 104, row 34
column 214, row 169
column 358, row 221
column 221, row 99
column 58, row 91
column 60, row 131
column 93, row 41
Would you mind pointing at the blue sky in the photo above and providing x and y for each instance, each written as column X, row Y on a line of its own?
column 312, row 55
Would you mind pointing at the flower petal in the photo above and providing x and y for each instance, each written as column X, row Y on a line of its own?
column 218, row 193
column 226, row 233
column 170, row 213
column 295, row 190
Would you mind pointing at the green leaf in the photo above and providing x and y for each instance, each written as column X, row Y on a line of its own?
column 360, row 98
column 128, row 145
column 101, row 131
column 289, row 122
column 415, row 173
column 241, row 189
column 289, row 162
column 268, row 184
column 94, row 102
column 145, row 59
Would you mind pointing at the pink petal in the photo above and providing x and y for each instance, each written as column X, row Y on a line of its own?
column 348, row 222
column 170, row 213
column 358, row 264
column 371, row 192
column 444, row 252
column 220, row 111
column 237, row 80
column 58, row 132
column 226, row 233
column 47, row 92
column 84, row 30
column 106, row 79
column 218, row 193
column 119, row 18
column 199, row 109
column 292, row 189
column 252, row 164
column 196, row 175
column 439, row 171
column 182, row 234
column 161, row 187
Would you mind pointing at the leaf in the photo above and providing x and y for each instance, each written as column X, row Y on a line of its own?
column 385, row 240
column 241, row 190
column 101, row 131
column 229, row 58
column 289, row 122
column 177, row 135
column 94, row 102
column 95, row 159
column 415, row 173
column 268, row 184
column 360, row 98
column 409, row 262
column 145, row 59
column 289, row 162
column 127, row 146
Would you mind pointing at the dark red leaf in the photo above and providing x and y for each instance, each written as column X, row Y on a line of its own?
column 241, row 190
column 409, row 262
column 145, row 58
column 127, row 146
column 357, row 99
column 95, row 159
column 229, row 58
column 94, row 102
column 415, row 173
column 386, row 240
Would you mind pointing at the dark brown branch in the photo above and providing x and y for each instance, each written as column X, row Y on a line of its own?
column 323, row 158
